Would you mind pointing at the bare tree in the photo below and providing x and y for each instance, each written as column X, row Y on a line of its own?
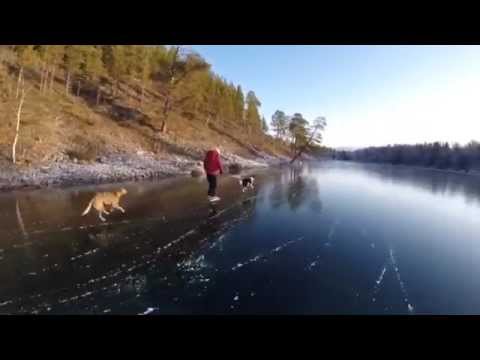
column 17, row 132
column 19, row 81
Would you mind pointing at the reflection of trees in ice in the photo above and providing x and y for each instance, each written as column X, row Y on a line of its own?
column 296, row 188
column 331, row 232
column 316, row 205
column 437, row 182
column 277, row 194
column 20, row 221
column 28, row 251
column 301, row 190
column 296, row 193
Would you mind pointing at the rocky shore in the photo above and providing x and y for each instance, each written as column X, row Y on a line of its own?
column 112, row 169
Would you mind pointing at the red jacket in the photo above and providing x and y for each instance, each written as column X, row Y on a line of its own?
column 212, row 163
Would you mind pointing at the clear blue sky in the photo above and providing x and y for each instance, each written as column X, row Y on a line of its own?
column 370, row 95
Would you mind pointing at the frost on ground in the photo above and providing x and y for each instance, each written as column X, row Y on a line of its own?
column 115, row 168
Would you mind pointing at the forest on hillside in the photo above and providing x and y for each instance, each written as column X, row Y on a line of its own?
column 175, row 80
column 183, row 78
column 436, row 155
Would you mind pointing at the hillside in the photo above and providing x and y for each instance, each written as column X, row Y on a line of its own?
column 122, row 134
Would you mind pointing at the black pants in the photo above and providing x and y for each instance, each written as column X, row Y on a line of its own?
column 212, row 184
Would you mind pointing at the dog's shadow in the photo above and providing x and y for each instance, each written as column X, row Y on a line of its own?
column 247, row 202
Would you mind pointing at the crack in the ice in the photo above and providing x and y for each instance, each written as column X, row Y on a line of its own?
column 112, row 274
column 263, row 256
column 313, row 263
column 389, row 264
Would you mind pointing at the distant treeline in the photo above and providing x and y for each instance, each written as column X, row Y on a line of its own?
column 437, row 155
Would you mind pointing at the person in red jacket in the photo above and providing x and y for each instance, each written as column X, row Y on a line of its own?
column 213, row 167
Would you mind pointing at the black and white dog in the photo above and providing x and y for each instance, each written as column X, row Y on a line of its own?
column 247, row 183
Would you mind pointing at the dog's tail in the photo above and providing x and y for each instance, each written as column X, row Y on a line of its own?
column 240, row 182
column 87, row 210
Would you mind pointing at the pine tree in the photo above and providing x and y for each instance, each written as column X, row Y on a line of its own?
column 134, row 59
column 93, row 68
column 298, row 131
column 56, row 53
column 252, row 116
column 239, row 105
column 145, row 70
column 279, row 123
column 72, row 60
column 115, row 63
column 264, row 125
column 212, row 100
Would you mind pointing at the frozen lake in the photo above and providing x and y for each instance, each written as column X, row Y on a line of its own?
column 328, row 238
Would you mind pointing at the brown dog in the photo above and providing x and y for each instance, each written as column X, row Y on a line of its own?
column 100, row 200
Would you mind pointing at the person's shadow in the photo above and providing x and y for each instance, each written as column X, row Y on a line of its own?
column 212, row 224
column 212, row 210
